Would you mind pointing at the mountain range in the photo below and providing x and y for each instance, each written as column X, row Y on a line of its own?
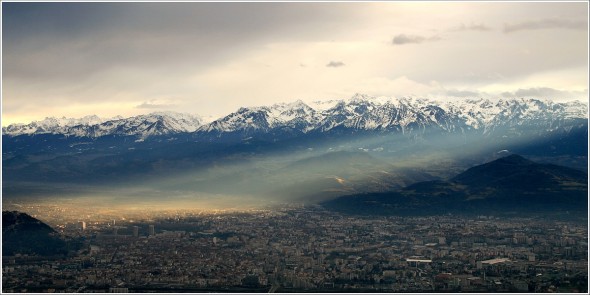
column 142, row 126
column 511, row 184
column 361, row 112
column 289, row 151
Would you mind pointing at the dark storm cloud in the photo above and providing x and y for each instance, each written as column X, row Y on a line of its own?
column 553, row 23
column 335, row 64
column 462, row 93
column 415, row 39
column 24, row 20
column 73, row 41
column 28, row 20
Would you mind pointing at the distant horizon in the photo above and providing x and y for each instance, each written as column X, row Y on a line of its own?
column 207, row 118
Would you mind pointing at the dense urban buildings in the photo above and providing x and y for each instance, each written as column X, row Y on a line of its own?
column 303, row 249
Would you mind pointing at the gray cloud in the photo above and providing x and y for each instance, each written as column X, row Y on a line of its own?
column 153, row 105
column 409, row 39
column 93, row 52
column 472, row 27
column 545, row 92
column 63, row 58
column 539, row 91
column 552, row 23
column 335, row 64
column 72, row 41
column 462, row 93
column 507, row 94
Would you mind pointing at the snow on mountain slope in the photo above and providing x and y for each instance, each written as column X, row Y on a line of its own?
column 296, row 115
column 159, row 123
column 51, row 125
column 402, row 114
column 142, row 126
column 360, row 112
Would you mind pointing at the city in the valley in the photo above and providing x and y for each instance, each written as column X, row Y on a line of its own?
column 299, row 249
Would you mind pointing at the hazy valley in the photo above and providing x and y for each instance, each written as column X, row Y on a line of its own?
column 285, row 152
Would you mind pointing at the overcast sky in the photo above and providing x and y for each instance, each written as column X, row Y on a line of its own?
column 76, row 59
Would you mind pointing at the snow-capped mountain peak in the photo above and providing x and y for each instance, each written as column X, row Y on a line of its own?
column 407, row 115
column 404, row 114
column 51, row 125
column 158, row 123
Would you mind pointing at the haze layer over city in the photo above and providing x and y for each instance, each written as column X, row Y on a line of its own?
column 295, row 147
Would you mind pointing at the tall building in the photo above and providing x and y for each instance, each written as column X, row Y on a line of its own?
column 152, row 230
column 83, row 225
column 136, row 231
